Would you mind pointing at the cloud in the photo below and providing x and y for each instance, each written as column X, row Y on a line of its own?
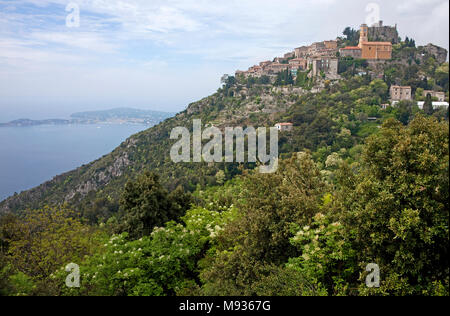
column 82, row 40
column 142, row 51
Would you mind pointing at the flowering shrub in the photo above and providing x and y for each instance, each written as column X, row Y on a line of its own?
column 163, row 263
column 327, row 258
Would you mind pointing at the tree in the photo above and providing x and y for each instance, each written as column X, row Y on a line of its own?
column 396, row 209
column 284, row 78
column 41, row 242
column 259, row 238
column 146, row 204
column 404, row 111
column 352, row 36
column 428, row 105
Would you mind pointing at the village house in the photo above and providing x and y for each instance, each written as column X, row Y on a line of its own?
column 401, row 93
column 330, row 44
column 280, row 60
column 289, row 55
column 327, row 65
column 275, row 68
column 320, row 56
column 284, row 127
column 299, row 63
column 435, row 94
column 255, row 71
column 351, row 51
column 315, row 48
column 301, row 52
column 294, row 70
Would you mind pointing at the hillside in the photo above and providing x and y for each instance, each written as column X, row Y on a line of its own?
column 148, row 116
column 358, row 205
column 328, row 116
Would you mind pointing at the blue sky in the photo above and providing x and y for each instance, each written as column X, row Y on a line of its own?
column 162, row 55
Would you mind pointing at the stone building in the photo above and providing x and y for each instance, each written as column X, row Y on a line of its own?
column 301, row 63
column 325, row 48
column 330, row 44
column 280, row 60
column 401, row 93
column 435, row 94
column 351, row 51
column 275, row 68
column 315, row 48
column 289, row 55
column 301, row 52
column 326, row 65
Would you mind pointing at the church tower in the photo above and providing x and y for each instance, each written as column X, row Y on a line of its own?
column 364, row 35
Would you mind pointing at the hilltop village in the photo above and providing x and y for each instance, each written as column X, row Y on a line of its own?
column 321, row 62
column 323, row 57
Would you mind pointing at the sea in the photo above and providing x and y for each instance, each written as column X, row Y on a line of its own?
column 30, row 156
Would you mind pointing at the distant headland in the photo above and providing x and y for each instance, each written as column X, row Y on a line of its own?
column 112, row 116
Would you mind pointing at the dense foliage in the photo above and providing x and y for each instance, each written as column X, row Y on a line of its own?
column 357, row 183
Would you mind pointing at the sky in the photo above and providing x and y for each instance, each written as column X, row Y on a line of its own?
column 58, row 57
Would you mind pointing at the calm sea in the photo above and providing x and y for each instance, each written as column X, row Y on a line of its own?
column 30, row 156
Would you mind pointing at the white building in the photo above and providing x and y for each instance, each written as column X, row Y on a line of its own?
column 436, row 105
column 284, row 127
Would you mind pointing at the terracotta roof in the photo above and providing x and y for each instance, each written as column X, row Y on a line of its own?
column 351, row 48
column 285, row 124
column 401, row 87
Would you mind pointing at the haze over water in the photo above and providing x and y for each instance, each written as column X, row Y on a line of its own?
column 29, row 156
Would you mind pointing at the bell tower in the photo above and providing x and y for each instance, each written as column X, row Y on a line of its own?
column 364, row 35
